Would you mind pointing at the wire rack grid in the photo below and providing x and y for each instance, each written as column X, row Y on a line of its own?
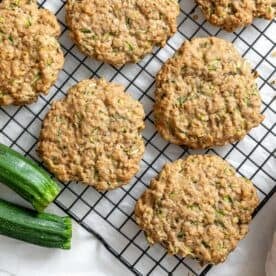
column 109, row 216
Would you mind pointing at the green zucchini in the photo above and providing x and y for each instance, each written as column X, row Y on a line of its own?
column 27, row 179
column 37, row 228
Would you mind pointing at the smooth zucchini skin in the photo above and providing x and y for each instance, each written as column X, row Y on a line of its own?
column 37, row 228
column 27, row 179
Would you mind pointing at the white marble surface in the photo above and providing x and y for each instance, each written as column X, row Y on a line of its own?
column 89, row 257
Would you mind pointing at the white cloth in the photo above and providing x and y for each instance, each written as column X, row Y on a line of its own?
column 89, row 257
column 86, row 257
column 270, row 267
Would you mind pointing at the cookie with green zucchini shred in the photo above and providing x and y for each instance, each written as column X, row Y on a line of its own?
column 30, row 55
column 206, row 95
column 197, row 207
column 93, row 135
column 120, row 32
column 230, row 15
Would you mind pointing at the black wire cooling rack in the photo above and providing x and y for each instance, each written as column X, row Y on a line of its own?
column 109, row 216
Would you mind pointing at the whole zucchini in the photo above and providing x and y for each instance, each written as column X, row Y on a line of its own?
column 27, row 179
column 37, row 228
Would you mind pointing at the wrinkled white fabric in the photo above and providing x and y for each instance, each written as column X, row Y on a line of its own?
column 249, row 257
column 89, row 257
column 86, row 257
column 270, row 267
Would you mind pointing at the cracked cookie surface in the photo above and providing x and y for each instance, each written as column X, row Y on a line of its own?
column 93, row 135
column 206, row 95
column 197, row 207
column 119, row 31
column 30, row 55
column 229, row 14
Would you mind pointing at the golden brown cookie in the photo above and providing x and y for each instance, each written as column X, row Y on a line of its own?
column 197, row 207
column 94, row 135
column 231, row 14
column 30, row 55
column 206, row 95
column 120, row 32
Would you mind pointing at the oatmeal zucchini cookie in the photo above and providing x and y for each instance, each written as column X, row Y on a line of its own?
column 197, row 207
column 206, row 95
column 230, row 14
column 30, row 55
column 94, row 135
column 119, row 31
